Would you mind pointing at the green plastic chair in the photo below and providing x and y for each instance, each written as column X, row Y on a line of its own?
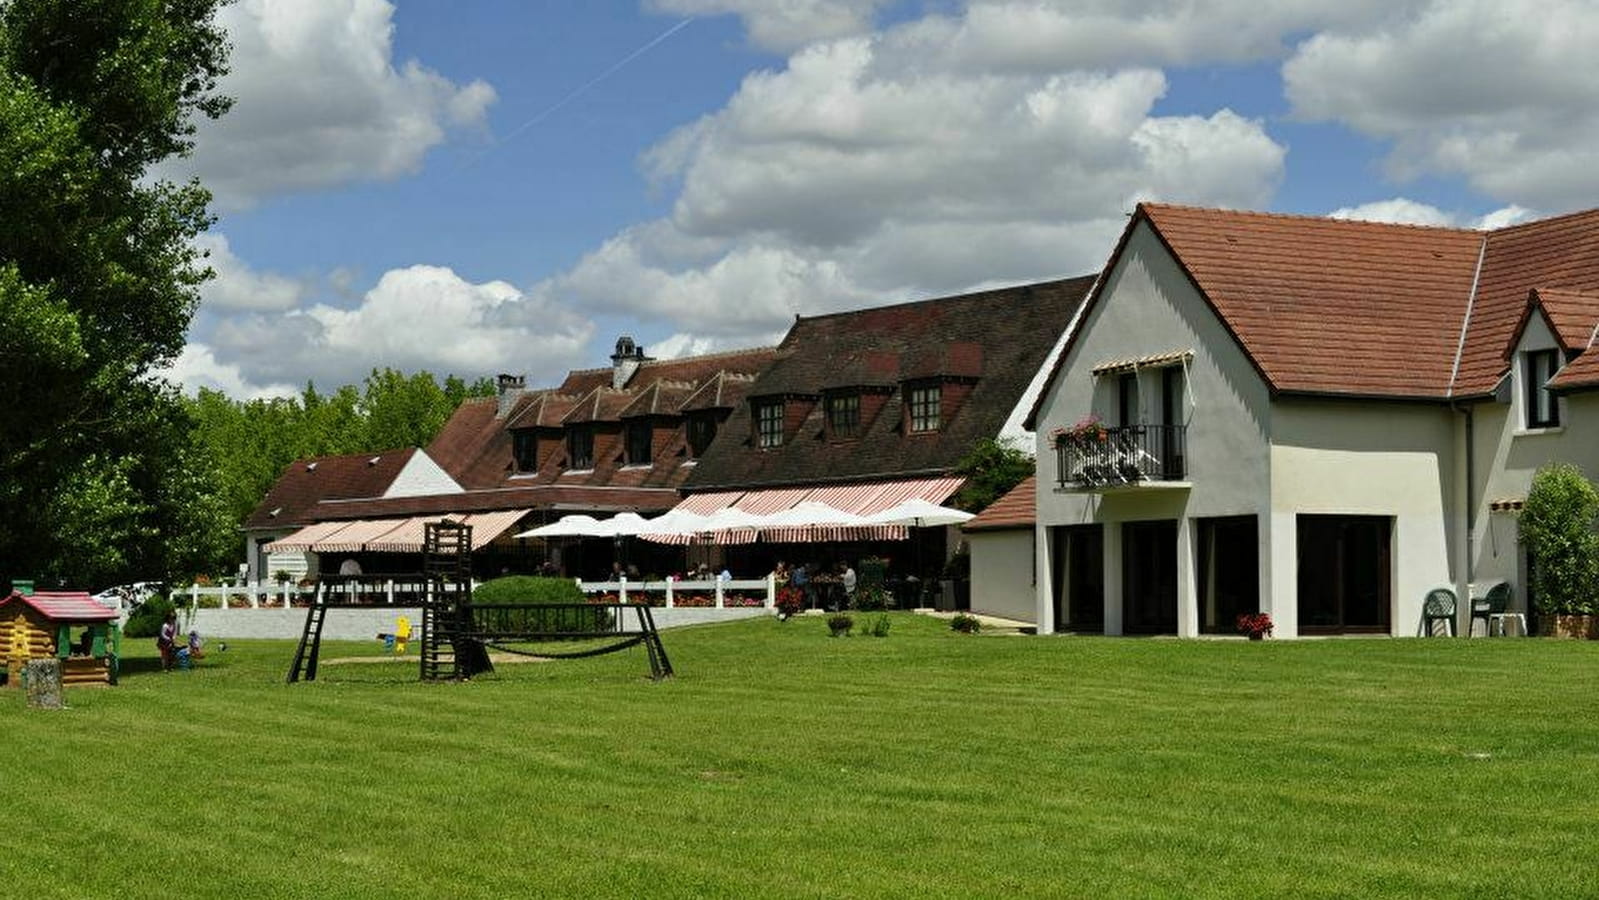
column 1490, row 607
column 1439, row 606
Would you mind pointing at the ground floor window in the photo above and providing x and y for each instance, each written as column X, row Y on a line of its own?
column 1149, row 577
column 1345, row 574
column 1229, row 572
column 1079, row 577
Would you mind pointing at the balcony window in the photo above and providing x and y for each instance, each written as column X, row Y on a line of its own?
column 1543, row 409
column 638, row 443
column 844, row 416
column 1091, row 455
column 525, row 447
column 924, row 403
column 769, row 425
column 580, row 447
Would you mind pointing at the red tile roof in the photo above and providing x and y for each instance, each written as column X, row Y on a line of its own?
column 1581, row 373
column 1017, row 509
column 1571, row 315
column 1559, row 254
column 1328, row 306
column 64, row 606
column 304, row 482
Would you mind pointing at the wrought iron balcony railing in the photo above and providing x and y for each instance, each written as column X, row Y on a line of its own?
column 1107, row 457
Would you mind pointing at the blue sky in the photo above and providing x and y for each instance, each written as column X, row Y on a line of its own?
column 507, row 185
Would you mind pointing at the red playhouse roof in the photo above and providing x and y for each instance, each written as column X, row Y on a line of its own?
column 65, row 606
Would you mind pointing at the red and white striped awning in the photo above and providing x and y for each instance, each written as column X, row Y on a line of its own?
column 862, row 498
column 391, row 535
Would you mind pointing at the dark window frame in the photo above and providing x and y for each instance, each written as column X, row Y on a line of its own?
column 1542, row 407
column 639, row 442
column 525, row 450
column 843, row 415
column 924, row 407
column 769, row 424
column 1127, row 400
column 700, row 430
column 580, row 447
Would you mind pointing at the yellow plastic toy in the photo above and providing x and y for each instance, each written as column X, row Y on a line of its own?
column 402, row 633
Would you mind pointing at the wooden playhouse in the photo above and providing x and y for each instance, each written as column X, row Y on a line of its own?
column 72, row 627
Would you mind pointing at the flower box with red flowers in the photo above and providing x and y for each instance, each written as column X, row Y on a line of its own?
column 1254, row 626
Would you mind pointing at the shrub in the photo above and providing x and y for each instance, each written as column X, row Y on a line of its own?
column 528, row 590
column 959, row 566
column 1557, row 527
column 879, row 627
column 840, row 624
column 873, row 572
column 965, row 624
column 870, row 599
column 146, row 620
column 532, row 591
column 790, row 600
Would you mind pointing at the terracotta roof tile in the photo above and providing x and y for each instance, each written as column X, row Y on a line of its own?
column 529, row 497
column 305, row 482
column 724, row 390
column 1581, row 373
column 1559, row 254
column 1017, row 509
column 1328, row 305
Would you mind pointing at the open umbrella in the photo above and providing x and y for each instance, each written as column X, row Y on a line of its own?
column 812, row 512
column 566, row 526
column 919, row 513
column 624, row 524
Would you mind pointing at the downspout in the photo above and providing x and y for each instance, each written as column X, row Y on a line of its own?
column 1466, row 513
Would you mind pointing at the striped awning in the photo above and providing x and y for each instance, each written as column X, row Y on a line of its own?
column 303, row 540
column 407, row 538
column 862, row 498
column 1134, row 363
column 354, row 537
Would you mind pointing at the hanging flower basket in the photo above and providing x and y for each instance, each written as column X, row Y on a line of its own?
column 1087, row 430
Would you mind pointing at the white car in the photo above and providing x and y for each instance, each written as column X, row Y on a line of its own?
column 127, row 597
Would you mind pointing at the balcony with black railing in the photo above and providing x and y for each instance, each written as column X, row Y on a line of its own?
column 1103, row 457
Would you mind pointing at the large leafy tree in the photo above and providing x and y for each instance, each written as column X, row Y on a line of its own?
column 991, row 468
column 99, row 278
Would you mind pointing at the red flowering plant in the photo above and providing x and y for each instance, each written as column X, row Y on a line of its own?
column 693, row 600
column 1089, row 428
column 790, row 600
column 1254, row 625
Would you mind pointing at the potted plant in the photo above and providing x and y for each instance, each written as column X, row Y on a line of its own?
column 790, row 601
column 1255, row 626
column 1557, row 528
column 965, row 624
column 1088, row 429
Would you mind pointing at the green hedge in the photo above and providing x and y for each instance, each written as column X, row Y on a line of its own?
column 529, row 590
column 146, row 620
column 532, row 591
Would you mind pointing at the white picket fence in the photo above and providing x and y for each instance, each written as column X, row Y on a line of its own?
column 260, row 594
column 640, row 591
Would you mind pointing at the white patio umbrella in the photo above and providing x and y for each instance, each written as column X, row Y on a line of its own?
column 624, row 524
column 919, row 513
column 729, row 518
column 566, row 526
column 675, row 523
column 813, row 512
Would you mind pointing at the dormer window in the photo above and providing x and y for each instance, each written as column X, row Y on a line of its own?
column 701, row 431
column 769, row 424
column 925, row 402
column 525, row 447
column 1542, row 408
column 580, row 447
column 843, row 416
column 639, row 443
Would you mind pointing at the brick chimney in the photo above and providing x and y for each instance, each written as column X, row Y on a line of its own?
column 512, row 387
column 625, row 361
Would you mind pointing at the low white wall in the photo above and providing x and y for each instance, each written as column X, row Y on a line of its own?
column 364, row 624
column 1002, row 573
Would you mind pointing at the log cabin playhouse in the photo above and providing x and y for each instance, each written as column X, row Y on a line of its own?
column 72, row 627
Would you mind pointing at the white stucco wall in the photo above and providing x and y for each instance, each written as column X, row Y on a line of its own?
column 1148, row 306
column 1394, row 460
column 1002, row 573
column 1507, row 454
column 422, row 477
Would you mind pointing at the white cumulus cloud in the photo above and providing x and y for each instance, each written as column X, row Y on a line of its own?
column 238, row 286
column 785, row 24
column 320, row 101
column 1505, row 95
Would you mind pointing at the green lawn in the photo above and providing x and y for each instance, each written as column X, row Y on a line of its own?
column 782, row 762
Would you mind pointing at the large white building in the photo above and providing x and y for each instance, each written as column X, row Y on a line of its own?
column 1316, row 419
